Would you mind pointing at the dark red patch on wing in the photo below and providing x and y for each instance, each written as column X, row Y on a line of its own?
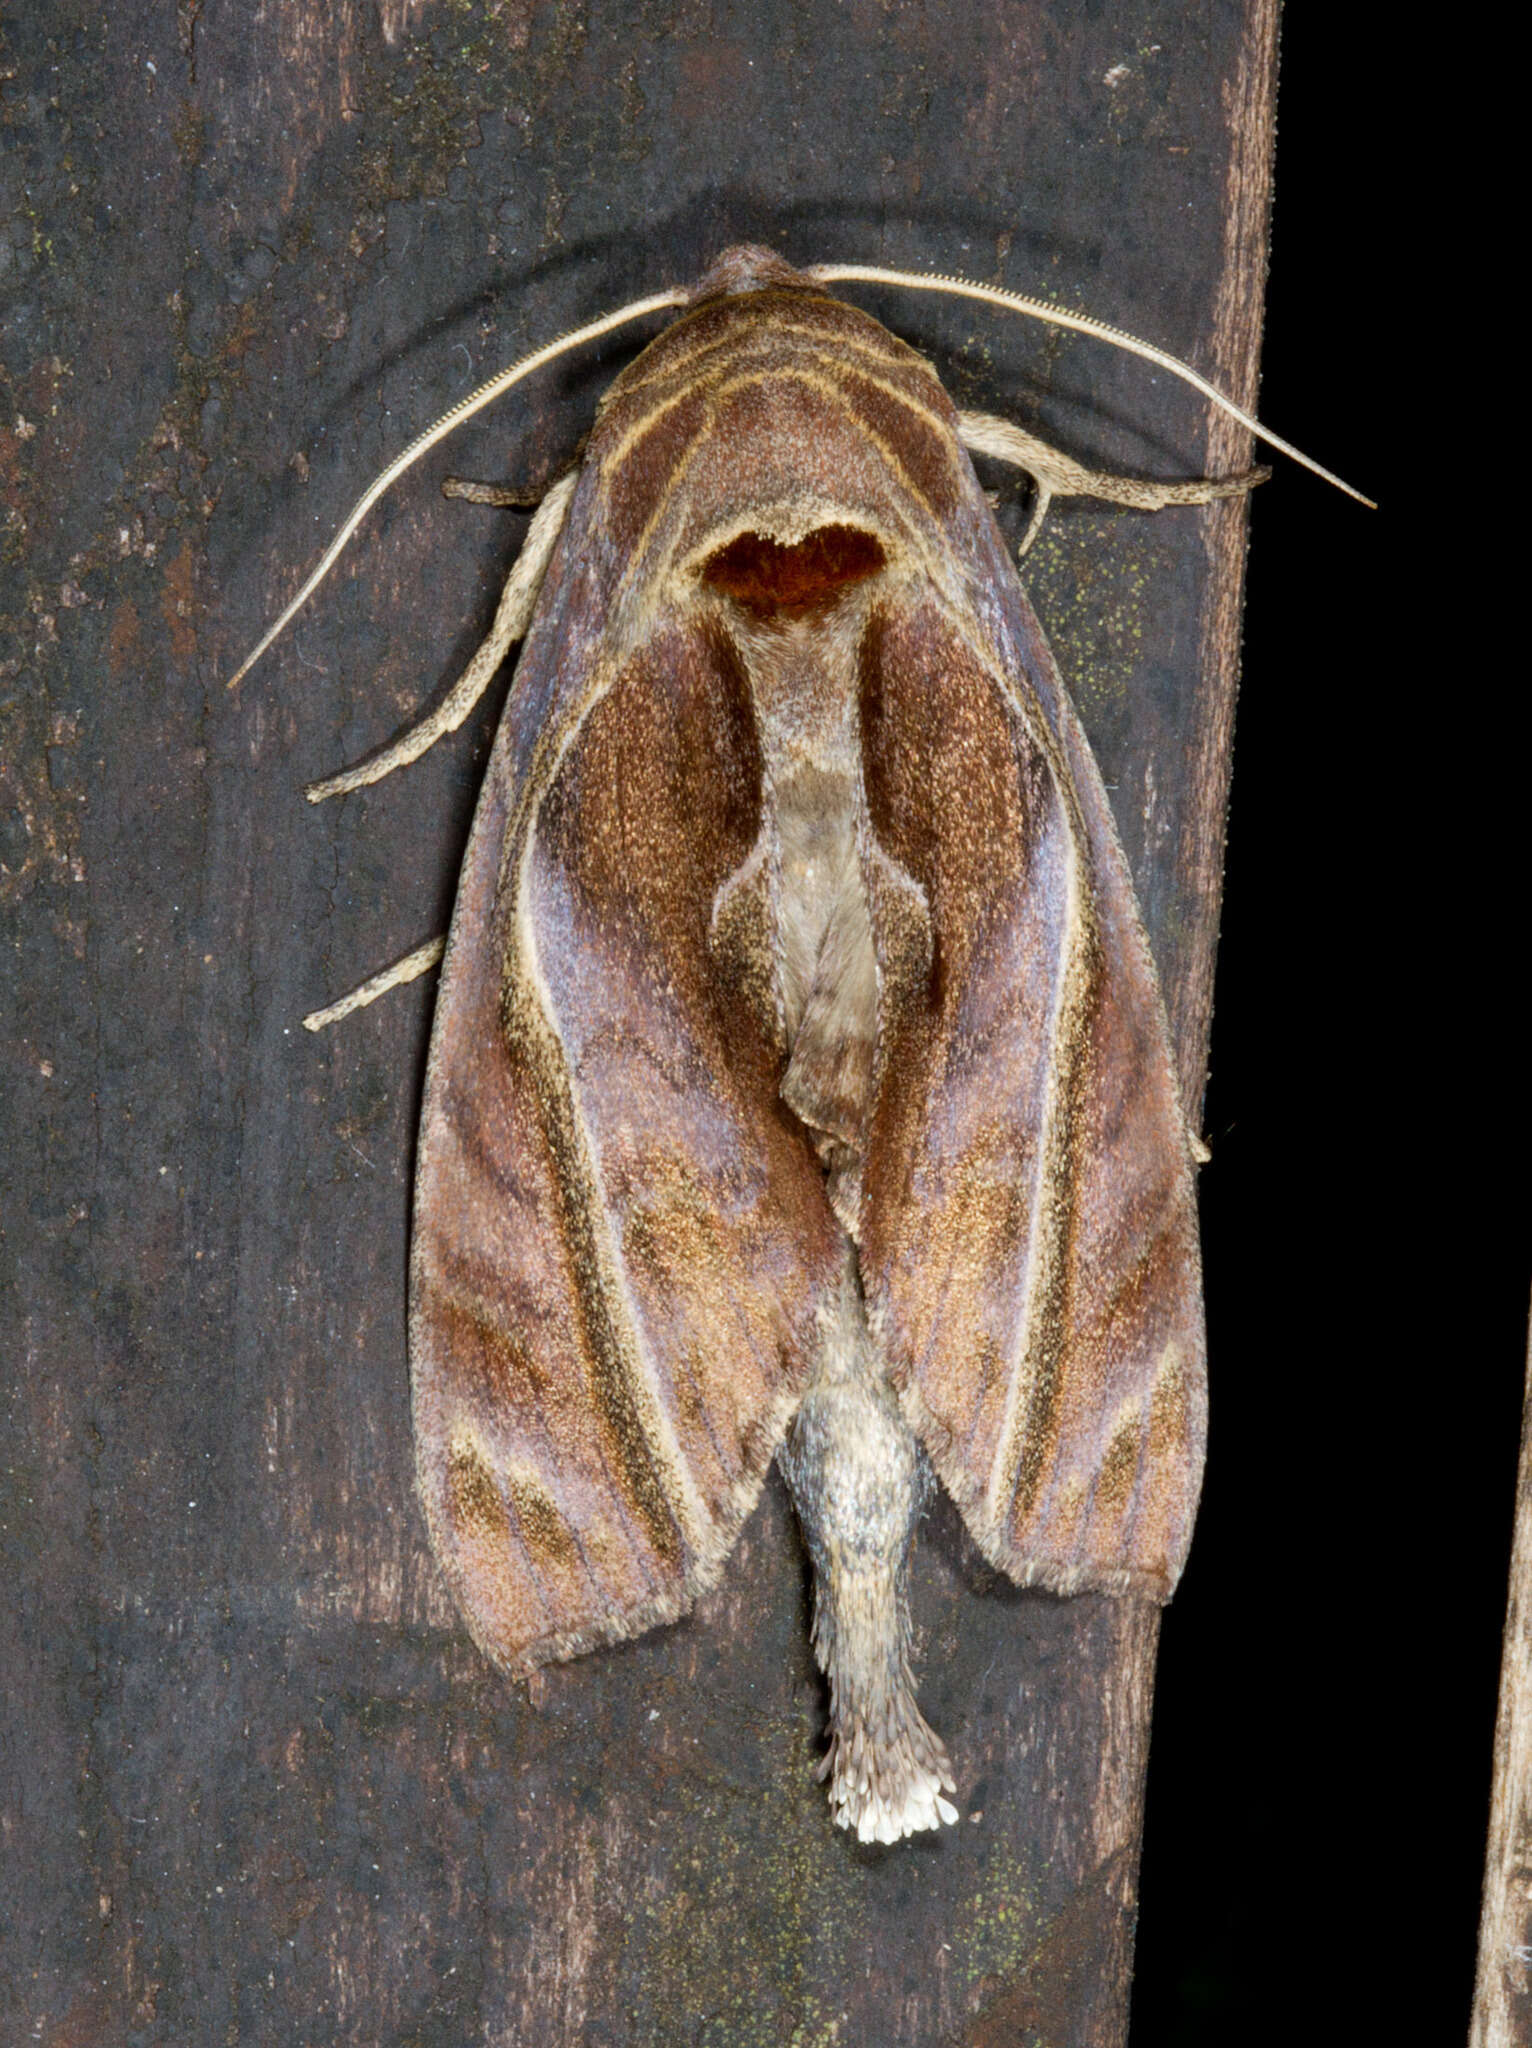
column 765, row 576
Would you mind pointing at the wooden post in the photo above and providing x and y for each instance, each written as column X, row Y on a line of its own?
column 261, row 1785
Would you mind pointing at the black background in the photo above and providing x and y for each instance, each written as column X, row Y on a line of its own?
column 1320, row 1771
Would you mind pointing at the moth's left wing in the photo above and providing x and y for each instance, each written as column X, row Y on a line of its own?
column 621, row 1240
column 1029, row 1237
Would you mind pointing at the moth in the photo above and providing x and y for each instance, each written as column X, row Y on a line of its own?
column 800, row 1086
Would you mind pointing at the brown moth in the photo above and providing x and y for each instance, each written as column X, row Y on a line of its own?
column 800, row 1084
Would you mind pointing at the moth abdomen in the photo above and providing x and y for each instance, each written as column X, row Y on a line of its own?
column 858, row 1482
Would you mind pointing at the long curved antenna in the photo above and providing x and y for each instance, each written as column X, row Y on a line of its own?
column 658, row 302
column 1081, row 323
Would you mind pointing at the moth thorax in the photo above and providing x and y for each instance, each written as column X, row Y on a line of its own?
column 797, row 614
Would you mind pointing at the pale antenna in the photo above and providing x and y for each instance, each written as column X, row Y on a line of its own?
column 486, row 394
column 1080, row 323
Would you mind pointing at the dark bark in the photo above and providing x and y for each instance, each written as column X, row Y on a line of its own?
column 259, row 1785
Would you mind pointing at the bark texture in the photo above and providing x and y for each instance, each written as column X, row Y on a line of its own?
column 1502, row 2009
column 257, row 1783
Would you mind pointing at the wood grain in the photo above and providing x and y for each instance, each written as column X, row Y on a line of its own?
column 1502, row 2007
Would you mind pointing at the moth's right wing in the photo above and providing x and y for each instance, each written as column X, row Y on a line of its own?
column 1029, row 1232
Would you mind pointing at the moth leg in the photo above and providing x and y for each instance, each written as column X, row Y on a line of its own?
column 410, row 968
column 503, row 496
column 515, row 609
column 1042, row 498
column 1057, row 475
column 858, row 1483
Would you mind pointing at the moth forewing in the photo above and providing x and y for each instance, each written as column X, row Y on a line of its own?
column 800, row 1082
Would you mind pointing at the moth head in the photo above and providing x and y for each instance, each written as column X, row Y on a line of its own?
column 747, row 267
